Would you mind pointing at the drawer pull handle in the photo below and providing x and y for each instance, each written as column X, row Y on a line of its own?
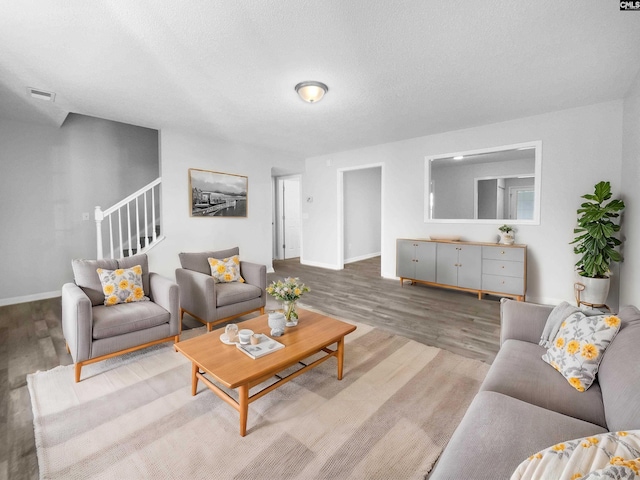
column 502, row 252
column 502, row 266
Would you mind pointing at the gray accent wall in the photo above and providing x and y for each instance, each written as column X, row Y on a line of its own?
column 49, row 177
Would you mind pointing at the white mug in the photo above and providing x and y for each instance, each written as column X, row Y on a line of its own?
column 245, row 335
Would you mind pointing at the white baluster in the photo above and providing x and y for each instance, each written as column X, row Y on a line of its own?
column 146, row 233
column 98, row 216
column 137, row 226
column 153, row 213
column 121, row 250
column 111, row 234
column 129, row 228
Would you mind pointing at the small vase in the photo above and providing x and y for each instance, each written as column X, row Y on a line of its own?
column 277, row 323
column 290, row 314
column 507, row 238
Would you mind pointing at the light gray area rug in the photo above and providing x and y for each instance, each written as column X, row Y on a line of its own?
column 134, row 417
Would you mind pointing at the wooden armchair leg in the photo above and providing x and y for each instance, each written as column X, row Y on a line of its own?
column 77, row 371
column 67, row 345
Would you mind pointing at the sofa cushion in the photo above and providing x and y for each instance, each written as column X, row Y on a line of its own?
column 619, row 373
column 198, row 261
column 235, row 292
column 122, row 285
column 127, row 317
column 558, row 315
column 579, row 346
column 498, row 432
column 86, row 277
column 519, row 372
column 225, row 270
column 142, row 260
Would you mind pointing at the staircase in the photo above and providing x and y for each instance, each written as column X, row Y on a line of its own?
column 134, row 224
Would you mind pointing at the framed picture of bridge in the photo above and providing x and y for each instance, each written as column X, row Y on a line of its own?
column 215, row 194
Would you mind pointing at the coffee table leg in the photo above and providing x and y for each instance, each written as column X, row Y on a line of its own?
column 194, row 378
column 340, row 357
column 243, row 402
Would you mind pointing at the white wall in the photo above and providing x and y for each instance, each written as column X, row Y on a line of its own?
column 579, row 148
column 629, row 291
column 49, row 177
column 362, row 213
column 180, row 151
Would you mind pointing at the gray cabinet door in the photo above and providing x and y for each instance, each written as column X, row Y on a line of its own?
column 470, row 266
column 405, row 265
column 425, row 263
column 447, row 263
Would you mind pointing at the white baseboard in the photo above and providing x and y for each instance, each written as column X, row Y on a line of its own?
column 361, row 257
column 318, row 264
column 29, row 298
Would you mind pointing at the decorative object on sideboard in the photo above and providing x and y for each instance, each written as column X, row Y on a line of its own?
column 507, row 235
column 596, row 244
column 288, row 291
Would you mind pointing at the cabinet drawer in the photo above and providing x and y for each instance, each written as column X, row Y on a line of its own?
column 503, row 284
column 513, row 254
column 503, row 267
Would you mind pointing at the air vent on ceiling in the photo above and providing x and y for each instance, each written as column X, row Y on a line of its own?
column 41, row 94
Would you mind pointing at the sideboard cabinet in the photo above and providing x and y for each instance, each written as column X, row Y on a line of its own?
column 485, row 268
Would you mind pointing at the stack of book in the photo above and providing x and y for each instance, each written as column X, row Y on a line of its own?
column 264, row 347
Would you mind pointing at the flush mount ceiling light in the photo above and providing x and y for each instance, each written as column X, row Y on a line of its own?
column 311, row 91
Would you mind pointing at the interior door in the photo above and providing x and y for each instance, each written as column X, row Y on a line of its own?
column 291, row 224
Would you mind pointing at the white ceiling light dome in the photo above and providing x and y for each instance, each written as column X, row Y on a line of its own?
column 311, row 91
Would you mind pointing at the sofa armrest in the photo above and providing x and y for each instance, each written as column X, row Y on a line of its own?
column 197, row 293
column 254, row 274
column 522, row 321
column 165, row 293
column 77, row 321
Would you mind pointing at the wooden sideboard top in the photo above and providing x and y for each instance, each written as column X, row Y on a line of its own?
column 461, row 242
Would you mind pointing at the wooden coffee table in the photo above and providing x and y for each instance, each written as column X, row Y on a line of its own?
column 232, row 368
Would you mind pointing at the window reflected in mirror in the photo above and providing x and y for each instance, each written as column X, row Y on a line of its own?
column 499, row 184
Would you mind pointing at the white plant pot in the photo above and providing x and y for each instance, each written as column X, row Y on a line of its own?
column 507, row 238
column 596, row 290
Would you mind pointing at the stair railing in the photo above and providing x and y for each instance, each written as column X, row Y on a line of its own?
column 143, row 204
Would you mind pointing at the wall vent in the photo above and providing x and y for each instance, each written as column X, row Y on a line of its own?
column 41, row 94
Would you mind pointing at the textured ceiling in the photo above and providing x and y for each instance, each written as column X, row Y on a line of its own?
column 395, row 69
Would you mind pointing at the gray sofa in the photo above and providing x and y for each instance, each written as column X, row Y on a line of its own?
column 525, row 406
column 212, row 303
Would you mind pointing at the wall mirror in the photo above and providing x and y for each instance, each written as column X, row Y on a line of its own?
column 494, row 185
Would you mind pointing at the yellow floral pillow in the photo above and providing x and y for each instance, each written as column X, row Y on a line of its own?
column 578, row 348
column 609, row 456
column 226, row 270
column 123, row 285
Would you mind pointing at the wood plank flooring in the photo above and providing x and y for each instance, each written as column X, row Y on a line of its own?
column 452, row 320
column 31, row 335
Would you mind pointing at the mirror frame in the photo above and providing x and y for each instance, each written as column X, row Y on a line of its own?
column 536, row 145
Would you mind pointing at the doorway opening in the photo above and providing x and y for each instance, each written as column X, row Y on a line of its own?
column 360, row 218
column 288, row 226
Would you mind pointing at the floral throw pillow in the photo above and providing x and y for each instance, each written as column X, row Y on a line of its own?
column 123, row 285
column 578, row 347
column 610, row 456
column 226, row 270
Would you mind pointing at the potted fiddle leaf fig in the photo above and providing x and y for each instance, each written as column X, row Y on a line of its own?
column 596, row 242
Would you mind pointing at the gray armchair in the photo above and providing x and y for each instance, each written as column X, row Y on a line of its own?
column 94, row 331
column 212, row 303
